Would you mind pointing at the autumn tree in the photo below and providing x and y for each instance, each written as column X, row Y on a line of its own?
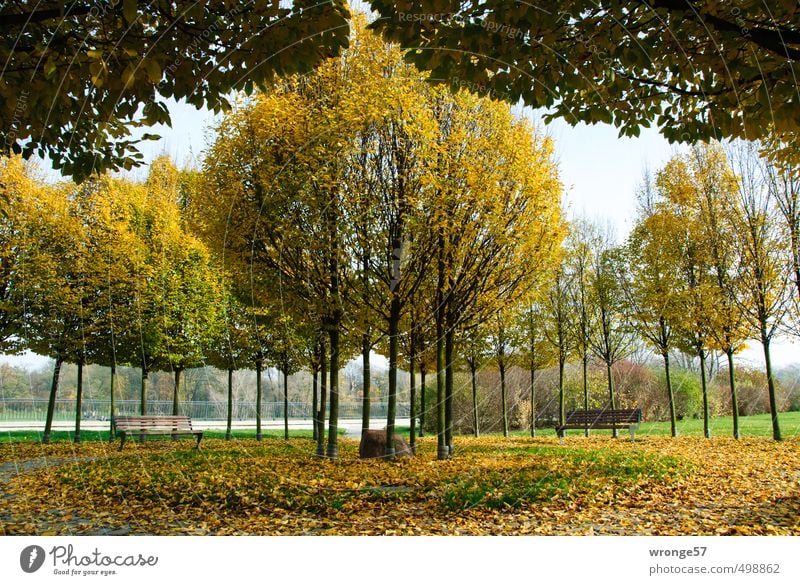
column 54, row 260
column 295, row 140
column 783, row 182
column 764, row 261
column 714, row 186
column 611, row 338
column 18, row 184
column 556, row 305
column 494, row 208
column 581, row 243
column 652, row 281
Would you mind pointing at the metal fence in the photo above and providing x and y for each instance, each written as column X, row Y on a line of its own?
column 25, row 410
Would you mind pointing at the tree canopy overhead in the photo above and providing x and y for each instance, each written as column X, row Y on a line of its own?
column 78, row 77
column 698, row 69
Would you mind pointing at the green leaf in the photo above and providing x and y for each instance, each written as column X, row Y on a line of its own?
column 130, row 9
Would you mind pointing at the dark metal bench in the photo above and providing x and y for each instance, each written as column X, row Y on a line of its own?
column 602, row 419
column 154, row 425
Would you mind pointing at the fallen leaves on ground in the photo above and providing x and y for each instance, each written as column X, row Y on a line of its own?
column 491, row 486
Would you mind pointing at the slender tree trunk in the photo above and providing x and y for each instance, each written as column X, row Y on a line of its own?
column 391, row 412
column 474, row 375
column 585, row 361
column 704, row 387
column 503, row 401
column 773, row 403
column 78, row 400
column 144, row 390
column 412, row 435
column 442, row 451
column 448, row 388
column 113, row 410
column 612, row 401
column 533, row 400
column 259, row 366
column 323, row 391
column 315, row 406
column 176, row 392
column 285, row 404
column 228, row 429
column 51, row 402
column 561, row 410
column 734, row 398
column 673, row 420
column 143, row 396
column 366, row 383
column 333, row 427
column 422, row 374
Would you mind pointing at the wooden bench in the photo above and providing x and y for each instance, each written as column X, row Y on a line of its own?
column 602, row 419
column 154, row 425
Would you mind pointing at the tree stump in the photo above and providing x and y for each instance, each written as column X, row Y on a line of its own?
column 373, row 445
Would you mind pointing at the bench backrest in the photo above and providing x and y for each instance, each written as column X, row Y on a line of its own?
column 607, row 416
column 140, row 423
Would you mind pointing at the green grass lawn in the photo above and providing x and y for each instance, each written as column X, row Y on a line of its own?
column 60, row 436
column 759, row 425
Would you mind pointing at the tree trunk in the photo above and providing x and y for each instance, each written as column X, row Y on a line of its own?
column 734, row 398
column 315, row 406
column 473, row 370
column 773, row 403
column 561, row 411
column 533, row 401
column 51, row 402
column 333, row 427
column 422, row 373
column 412, row 435
column 503, row 401
column 703, row 386
column 585, row 361
column 366, row 382
column 285, row 404
column 78, row 400
column 259, row 366
column 442, row 451
column 144, row 390
column 448, row 388
column 230, row 405
column 391, row 411
column 113, row 397
column 323, row 391
column 612, row 401
column 176, row 391
column 673, row 421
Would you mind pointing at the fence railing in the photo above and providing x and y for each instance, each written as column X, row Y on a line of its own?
column 24, row 410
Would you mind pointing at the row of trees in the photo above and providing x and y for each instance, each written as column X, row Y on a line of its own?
column 360, row 209
column 356, row 209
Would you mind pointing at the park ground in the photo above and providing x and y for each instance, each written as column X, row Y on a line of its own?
column 657, row 485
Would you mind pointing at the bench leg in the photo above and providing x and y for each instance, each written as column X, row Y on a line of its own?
column 122, row 436
column 633, row 434
column 197, row 445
